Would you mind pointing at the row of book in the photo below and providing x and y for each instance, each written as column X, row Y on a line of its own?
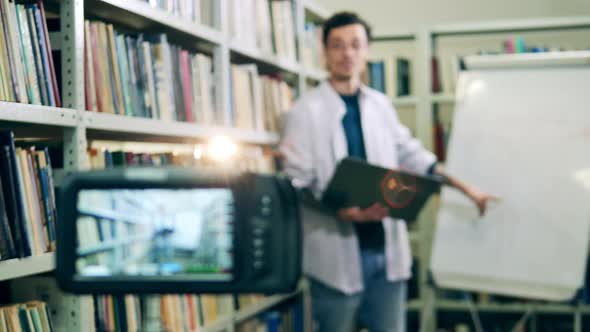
column 199, row 11
column 517, row 44
column 445, row 70
column 251, row 159
column 27, row 200
column 182, row 313
column 27, row 74
column 273, row 30
column 26, row 317
column 390, row 76
column 146, row 76
column 287, row 318
column 258, row 102
column 311, row 46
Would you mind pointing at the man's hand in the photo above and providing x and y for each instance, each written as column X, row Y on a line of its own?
column 375, row 212
column 482, row 200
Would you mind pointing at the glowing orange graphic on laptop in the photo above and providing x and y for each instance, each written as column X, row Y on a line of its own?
column 398, row 190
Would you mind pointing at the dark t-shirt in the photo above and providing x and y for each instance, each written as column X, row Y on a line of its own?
column 371, row 235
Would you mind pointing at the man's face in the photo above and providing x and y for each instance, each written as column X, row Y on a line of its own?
column 347, row 50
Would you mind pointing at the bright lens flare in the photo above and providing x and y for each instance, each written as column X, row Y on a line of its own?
column 221, row 148
column 198, row 152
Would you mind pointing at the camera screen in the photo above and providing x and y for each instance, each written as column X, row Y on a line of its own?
column 184, row 233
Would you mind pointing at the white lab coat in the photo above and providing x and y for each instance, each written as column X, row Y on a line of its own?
column 313, row 143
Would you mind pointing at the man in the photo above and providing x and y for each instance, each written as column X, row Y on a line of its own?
column 357, row 260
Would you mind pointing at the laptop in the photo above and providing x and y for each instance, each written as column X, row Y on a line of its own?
column 358, row 183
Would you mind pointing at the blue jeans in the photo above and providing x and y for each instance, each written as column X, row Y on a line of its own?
column 380, row 307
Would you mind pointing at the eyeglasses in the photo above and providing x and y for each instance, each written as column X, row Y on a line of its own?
column 340, row 46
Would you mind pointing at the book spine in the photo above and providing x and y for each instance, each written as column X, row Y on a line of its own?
column 45, row 196
column 45, row 57
column 114, row 71
column 20, row 197
column 9, row 59
column 27, row 51
column 89, row 77
column 27, row 215
column 19, row 59
column 126, row 86
column 186, row 85
column 39, row 202
column 7, row 245
column 37, row 52
column 53, row 76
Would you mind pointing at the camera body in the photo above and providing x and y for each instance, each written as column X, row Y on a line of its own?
column 178, row 230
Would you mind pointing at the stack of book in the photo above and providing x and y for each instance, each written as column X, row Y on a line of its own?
column 31, row 316
column 27, row 200
column 146, row 76
column 283, row 24
column 27, row 73
column 273, row 30
column 200, row 11
column 258, row 102
column 185, row 312
column 311, row 46
column 248, row 33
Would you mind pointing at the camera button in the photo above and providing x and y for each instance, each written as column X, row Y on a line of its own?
column 266, row 211
column 266, row 200
column 258, row 243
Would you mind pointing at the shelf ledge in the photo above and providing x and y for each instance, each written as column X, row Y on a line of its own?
column 36, row 114
column 152, row 127
column 28, row 266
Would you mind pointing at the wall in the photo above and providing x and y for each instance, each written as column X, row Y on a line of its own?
column 401, row 16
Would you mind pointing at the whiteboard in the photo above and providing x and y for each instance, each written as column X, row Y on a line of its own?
column 522, row 133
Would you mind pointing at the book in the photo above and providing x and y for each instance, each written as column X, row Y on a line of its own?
column 33, row 221
column 5, row 62
column 12, row 192
column 46, row 58
column 377, row 75
column 33, row 92
column 7, row 245
column 11, row 26
column 436, row 83
column 45, row 36
column 40, row 70
column 46, row 196
column 403, row 77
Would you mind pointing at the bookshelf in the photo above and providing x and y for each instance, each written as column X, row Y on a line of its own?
column 429, row 42
column 77, row 128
